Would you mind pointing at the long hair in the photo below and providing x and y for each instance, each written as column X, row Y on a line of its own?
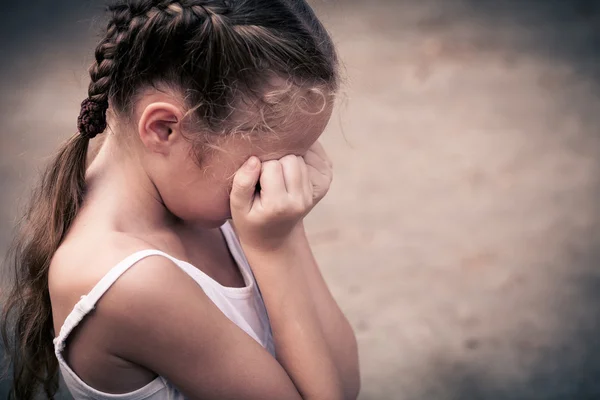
column 212, row 52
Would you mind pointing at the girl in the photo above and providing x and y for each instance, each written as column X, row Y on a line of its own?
column 128, row 277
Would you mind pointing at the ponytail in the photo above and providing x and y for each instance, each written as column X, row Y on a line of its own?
column 27, row 326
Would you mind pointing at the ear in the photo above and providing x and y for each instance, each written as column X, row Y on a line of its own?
column 159, row 126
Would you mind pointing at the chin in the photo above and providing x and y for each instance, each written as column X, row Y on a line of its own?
column 213, row 221
column 208, row 223
column 209, row 216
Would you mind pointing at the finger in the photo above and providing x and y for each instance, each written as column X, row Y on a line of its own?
column 292, row 175
column 317, row 159
column 311, row 158
column 318, row 149
column 244, row 184
column 307, row 184
column 320, row 182
column 272, row 183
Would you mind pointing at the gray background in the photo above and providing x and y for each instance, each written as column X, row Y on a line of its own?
column 461, row 235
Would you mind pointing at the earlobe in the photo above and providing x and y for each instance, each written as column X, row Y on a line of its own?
column 158, row 126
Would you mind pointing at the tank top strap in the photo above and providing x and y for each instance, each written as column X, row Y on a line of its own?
column 235, row 248
column 88, row 302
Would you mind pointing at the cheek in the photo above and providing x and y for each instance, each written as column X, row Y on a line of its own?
column 199, row 194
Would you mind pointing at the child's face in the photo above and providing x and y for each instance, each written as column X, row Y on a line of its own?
column 201, row 194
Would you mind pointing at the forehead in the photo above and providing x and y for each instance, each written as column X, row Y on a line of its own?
column 273, row 147
column 295, row 137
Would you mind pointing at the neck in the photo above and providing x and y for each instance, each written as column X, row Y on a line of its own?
column 122, row 194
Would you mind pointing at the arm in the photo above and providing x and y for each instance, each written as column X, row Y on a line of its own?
column 338, row 332
column 157, row 317
column 336, row 329
column 300, row 341
column 265, row 223
column 269, row 224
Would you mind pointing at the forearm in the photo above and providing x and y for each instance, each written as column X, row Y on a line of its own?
column 337, row 331
column 300, row 343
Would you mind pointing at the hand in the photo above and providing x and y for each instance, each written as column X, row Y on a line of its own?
column 264, row 219
column 289, row 189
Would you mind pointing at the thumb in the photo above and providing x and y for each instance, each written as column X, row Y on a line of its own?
column 244, row 185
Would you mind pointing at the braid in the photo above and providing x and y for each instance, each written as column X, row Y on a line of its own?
column 135, row 19
column 92, row 118
column 213, row 47
column 128, row 21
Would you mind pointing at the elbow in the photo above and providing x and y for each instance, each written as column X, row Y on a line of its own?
column 351, row 373
column 352, row 390
column 352, row 387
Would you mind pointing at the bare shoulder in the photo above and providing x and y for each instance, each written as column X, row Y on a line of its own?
column 79, row 264
column 153, row 286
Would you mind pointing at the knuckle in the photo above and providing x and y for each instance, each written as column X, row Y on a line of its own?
column 271, row 164
column 308, row 200
column 288, row 160
column 278, row 208
column 286, row 208
column 298, row 206
column 267, row 166
column 254, row 218
column 241, row 182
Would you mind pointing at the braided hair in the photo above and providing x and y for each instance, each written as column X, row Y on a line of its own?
column 211, row 50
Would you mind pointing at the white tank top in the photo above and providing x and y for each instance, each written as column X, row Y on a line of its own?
column 243, row 306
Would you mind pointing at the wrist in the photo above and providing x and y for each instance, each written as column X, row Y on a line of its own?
column 281, row 248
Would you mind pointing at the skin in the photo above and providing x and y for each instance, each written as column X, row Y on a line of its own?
column 145, row 190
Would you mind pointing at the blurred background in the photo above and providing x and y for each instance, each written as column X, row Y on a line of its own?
column 462, row 233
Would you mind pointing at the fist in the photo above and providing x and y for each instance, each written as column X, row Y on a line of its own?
column 289, row 189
